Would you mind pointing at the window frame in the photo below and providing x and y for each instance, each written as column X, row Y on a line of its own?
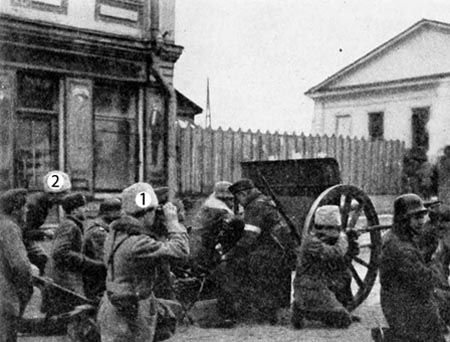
column 336, row 126
column 372, row 115
column 40, row 115
column 113, row 118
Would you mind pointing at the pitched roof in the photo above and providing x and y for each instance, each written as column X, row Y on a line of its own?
column 377, row 51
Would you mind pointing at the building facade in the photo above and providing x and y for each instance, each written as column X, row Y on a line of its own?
column 400, row 90
column 86, row 87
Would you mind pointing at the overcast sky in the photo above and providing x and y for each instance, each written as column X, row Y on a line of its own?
column 262, row 55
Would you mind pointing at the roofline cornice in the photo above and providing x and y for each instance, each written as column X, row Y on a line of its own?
column 420, row 24
column 395, row 84
column 70, row 39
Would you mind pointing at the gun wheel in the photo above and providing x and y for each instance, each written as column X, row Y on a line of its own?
column 357, row 211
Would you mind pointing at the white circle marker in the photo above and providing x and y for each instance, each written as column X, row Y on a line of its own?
column 143, row 200
column 55, row 180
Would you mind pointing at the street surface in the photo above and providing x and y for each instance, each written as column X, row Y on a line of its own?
column 369, row 311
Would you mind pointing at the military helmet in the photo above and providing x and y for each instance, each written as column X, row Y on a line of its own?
column 408, row 205
column 133, row 203
column 57, row 182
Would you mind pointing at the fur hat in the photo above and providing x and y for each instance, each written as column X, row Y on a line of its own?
column 328, row 215
column 222, row 190
column 109, row 205
column 73, row 201
column 13, row 199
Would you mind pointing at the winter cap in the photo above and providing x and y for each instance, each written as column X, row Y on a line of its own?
column 109, row 205
column 222, row 190
column 241, row 185
column 13, row 199
column 328, row 215
column 73, row 201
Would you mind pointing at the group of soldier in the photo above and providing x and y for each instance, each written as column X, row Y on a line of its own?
column 119, row 260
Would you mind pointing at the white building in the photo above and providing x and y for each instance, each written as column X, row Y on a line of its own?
column 403, row 83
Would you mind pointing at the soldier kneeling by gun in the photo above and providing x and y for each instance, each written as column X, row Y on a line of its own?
column 322, row 278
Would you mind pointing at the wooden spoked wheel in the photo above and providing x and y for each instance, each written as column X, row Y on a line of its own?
column 357, row 212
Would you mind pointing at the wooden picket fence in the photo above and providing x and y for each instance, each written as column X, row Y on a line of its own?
column 206, row 156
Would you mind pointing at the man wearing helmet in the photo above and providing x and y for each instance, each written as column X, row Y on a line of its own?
column 56, row 185
column 128, row 307
column 407, row 283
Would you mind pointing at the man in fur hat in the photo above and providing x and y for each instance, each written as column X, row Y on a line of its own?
column 214, row 213
column 322, row 273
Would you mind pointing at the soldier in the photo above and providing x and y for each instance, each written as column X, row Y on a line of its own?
column 38, row 207
column 407, row 284
column 210, row 220
column 436, row 255
column 443, row 176
column 128, row 307
column 255, row 273
column 322, row 275
column 15, row 268
column 67, row 263
column 94, row 240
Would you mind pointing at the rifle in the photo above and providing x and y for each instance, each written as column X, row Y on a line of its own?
column 431, row 203
column 73, row 296
column 279, row 207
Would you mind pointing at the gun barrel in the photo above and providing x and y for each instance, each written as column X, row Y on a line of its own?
column 373, row 228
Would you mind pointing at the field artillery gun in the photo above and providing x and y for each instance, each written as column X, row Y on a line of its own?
column 300, row 186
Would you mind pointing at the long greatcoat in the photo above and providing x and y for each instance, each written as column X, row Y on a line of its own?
column 66, row 266
column 407, row 289
column 256, row 278
column 128, row 308
column 209, row 221
column 322, row 276
column 93, row 245
column 15, row 278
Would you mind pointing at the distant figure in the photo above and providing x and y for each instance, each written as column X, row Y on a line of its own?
column 443, row 176
column 322, row 278
column 407, row 283
column 419, row 175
